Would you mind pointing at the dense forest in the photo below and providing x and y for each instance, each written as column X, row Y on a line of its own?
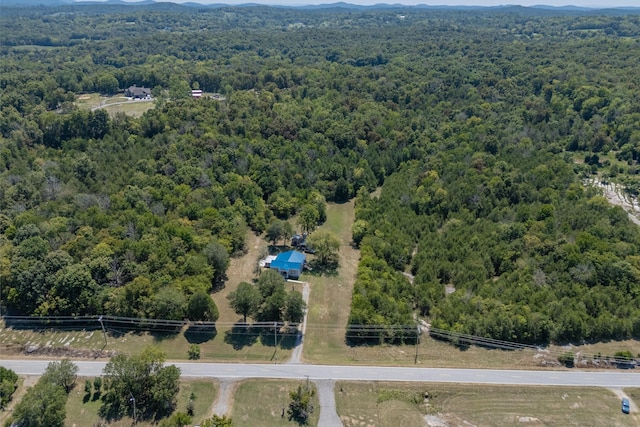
column 479, row 126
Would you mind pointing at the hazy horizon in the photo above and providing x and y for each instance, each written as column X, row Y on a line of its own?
column 556, row 3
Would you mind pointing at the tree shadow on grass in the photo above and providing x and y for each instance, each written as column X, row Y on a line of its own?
column 164, row 334
column 241, row 335
column 318, row 269
column 283, row 337
column 198, row 334
column 289, row 338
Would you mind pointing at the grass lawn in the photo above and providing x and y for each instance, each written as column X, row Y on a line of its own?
column 330, row 297
column 84, row 412
column 88, row 100
column 218, row 346
column 241, row 269
column 113, row 104
column 634, row 393
column 401, row 404
column 260, row 403
column 131, row 108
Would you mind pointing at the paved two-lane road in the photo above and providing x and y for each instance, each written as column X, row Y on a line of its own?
column 616, row 379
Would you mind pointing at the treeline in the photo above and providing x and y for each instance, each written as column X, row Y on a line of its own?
column 466, row 120
column 551, row 262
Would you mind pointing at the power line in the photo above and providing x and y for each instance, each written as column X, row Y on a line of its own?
column 119, row 325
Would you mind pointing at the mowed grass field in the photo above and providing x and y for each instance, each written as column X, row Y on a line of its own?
column 330, row 297
column 404, row 405
column 82, row 409
column 261, row 402
column 114, row 104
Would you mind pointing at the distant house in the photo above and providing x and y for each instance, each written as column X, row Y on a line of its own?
column 289, row 264
column 196, row 93
column 138, row 92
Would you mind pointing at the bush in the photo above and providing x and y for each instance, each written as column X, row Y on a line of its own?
column 567, row 359
column 300, row 407
column 623, row 356
column 194, row 352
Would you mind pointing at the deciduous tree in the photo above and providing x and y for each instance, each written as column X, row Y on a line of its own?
column 142, row 377
column 245, row 300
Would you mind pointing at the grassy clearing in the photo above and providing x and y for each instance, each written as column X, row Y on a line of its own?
column 330, row 298
column 260, row 403
column 131, row 108
column 83, row 410
column 393, row 404
column 634, row 393
column 88, row 101
column 114, row 104
column 241, row 269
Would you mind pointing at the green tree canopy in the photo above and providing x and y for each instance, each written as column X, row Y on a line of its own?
column 202, row 307
column 63, row 373
column 245, row 300
column 142, row 377
column 42, row 405
column 326, row 245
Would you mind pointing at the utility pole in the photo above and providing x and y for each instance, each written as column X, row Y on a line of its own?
column 415, row 361
column 133, row 399
column 275, row 337
column 104, row 333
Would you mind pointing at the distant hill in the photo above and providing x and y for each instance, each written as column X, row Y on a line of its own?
column 35, row 2
column 336, row 5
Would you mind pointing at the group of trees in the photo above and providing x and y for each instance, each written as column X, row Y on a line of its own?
column 44, row 403
column 268, row 300
column 141, row 381
column 8, row 384
column 501, row 245
column 138, row 386
column 464, row 119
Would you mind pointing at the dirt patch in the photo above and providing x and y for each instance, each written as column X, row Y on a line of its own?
column 435, row 421
column 615, row 194
column 84, row 97
column 58, row 352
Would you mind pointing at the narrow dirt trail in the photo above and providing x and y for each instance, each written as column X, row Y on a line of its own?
column 634, row 412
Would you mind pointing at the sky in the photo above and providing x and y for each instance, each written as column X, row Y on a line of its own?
column 583, row 3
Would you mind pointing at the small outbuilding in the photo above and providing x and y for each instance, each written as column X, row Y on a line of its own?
column 289, row 264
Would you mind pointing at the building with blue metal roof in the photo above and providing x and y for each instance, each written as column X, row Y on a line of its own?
column 289, row 264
